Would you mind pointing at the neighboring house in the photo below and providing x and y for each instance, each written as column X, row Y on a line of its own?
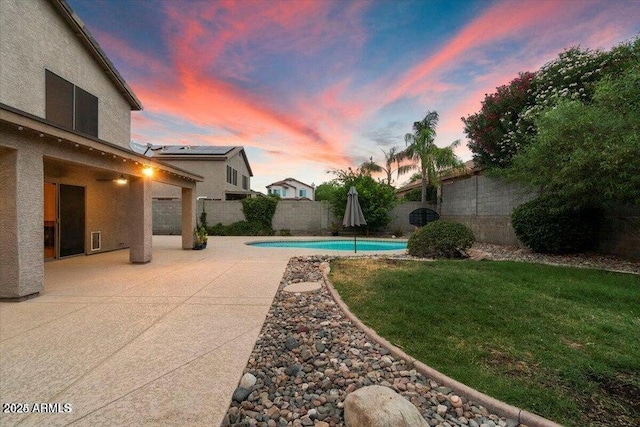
column 70, row 183
column 292, row 189
column 226, row 171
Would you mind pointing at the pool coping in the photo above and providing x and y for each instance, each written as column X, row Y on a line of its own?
column 494, row 405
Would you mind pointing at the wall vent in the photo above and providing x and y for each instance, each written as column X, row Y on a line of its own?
column 96, row 240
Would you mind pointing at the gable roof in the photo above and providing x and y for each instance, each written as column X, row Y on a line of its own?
column 201, row 152
column 288, row 184
column 85, row 37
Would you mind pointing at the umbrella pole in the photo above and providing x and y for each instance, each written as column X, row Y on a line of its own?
column 355, row 243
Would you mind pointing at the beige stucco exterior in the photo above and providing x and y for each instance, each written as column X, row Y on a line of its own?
column 39, row 35
column 34, row 38
column 214, row 171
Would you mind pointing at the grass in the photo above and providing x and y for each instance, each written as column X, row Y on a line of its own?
column 561, row 342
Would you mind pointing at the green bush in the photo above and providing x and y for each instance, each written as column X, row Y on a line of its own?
column 260, row 210
column 240, row 228
column 440, row 239
column 552, row 224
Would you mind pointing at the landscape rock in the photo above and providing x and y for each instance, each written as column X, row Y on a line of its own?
column 377, row 406
column 241, row 394
column 247, row 381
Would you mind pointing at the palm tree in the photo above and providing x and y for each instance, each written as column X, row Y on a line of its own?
column 390, row 157
column 427, row 157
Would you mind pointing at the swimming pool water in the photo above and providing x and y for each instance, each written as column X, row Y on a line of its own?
column 336, row 245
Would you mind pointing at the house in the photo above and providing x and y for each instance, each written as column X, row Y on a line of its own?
column 292, row 189
column 70, row 184
column 225, row 169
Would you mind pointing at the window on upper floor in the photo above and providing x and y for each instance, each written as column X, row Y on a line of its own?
column 284, row 192
column 70, row 106
column 275, row 191
column 229, row 174
column 235, row 177
column 245, row 182
column 303, row 193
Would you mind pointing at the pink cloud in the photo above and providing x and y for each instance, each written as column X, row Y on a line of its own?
column 504, row 20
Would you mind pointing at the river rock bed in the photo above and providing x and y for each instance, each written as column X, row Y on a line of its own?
column 309, row 357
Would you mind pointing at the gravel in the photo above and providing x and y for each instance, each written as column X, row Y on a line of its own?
column 309, row 356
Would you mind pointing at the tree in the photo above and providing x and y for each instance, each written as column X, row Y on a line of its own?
column 325, row 190
column 390, row 157
column 588, row 153
column 500, row 128
column 428, row 158
column 377, row 199
column 506, row 123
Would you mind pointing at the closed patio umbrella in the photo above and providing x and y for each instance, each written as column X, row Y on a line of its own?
column 353, row 216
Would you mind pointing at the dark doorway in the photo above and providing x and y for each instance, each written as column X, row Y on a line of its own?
column 72, row 220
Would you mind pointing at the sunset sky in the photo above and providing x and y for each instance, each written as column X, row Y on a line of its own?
column 307, row 86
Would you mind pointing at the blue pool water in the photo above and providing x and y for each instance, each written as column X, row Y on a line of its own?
column 336, row 245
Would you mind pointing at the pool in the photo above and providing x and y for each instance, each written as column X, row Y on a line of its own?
column 336, row 245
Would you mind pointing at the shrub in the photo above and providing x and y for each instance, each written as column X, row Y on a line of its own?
column 260, row 210
column 240, row 228
column 552, row 224
column 440, row 239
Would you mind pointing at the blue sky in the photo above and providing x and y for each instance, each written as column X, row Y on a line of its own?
column 307, row 85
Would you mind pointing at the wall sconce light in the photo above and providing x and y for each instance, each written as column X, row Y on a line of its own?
column 120, row 181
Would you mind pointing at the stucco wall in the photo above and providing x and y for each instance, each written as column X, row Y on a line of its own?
column 34, row 38
column 214, row 173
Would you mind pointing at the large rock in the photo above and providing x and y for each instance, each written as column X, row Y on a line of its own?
column 377, row 406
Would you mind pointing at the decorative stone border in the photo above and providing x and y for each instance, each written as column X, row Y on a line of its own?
column 494, row 405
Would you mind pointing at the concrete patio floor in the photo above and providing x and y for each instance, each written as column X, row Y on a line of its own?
column 162, row 343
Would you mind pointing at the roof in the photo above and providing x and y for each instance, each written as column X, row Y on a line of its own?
column 468, row 169
column 213, row 150
column 85, row 37
column 285, row 182
column 201, row 152
column 50, row 131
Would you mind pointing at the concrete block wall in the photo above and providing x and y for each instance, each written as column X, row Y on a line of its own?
column 400, row 217
column 299, row 217
column 619, row 232
column 167, row 217
column 485, row 205
column 303, row 217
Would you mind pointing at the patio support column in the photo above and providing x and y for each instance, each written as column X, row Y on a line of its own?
column 188, row 216
column 141, row 220
column 21, row 223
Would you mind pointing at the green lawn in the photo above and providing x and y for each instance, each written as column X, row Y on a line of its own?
column 558, row 341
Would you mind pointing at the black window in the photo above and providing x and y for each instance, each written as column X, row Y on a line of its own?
column 235, row 177
column 245, row 182
column 229, row 174
column 59, row 100
column 86, row 112
column 70, row 106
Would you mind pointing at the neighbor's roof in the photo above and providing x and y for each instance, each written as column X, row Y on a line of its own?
column 468, row 169
column 286, row 182
column 202, row 152
column 85, row 37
